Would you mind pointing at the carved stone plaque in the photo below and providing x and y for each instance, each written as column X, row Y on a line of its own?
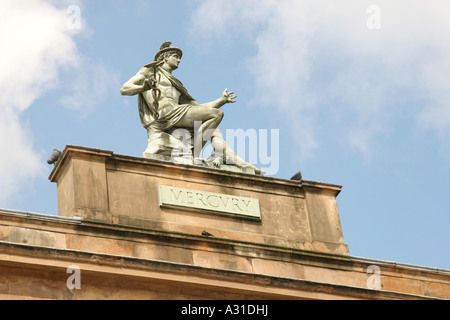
column 208, row 201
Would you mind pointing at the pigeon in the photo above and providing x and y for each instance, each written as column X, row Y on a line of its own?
column 205, row 233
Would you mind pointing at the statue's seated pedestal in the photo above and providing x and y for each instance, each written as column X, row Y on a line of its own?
column 101, row 186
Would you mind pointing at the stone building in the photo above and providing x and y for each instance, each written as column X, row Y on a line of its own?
column 135, row 228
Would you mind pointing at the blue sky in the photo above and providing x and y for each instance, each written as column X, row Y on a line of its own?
column 359, row 91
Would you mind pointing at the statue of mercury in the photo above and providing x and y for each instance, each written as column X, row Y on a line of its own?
column 166, row 109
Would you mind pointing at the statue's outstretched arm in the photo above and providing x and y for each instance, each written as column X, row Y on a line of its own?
column 227, row 97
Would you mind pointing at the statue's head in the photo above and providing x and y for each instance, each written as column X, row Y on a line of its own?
column 166, row 50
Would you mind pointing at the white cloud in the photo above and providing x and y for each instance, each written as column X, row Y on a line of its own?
column 36, row 44
column 18, row 162
column 319, row 58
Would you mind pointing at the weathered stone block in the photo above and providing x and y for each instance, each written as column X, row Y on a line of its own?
column 101, row 186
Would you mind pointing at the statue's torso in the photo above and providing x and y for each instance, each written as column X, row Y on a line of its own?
column 170, row 96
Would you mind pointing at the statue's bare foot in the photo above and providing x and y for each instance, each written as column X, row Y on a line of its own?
column 216, row 160
column 242, row 164
column 199, row 161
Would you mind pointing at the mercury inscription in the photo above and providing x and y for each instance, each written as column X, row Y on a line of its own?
column 208, row 201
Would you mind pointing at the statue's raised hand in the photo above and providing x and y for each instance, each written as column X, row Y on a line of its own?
column 147, row 85
column 229, row 96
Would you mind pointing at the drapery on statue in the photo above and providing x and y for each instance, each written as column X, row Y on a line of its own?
column 177, row 125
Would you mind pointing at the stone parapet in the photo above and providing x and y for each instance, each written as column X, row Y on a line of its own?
column 101, row 186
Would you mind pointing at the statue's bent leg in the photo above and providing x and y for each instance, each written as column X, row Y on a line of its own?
column 208, row 117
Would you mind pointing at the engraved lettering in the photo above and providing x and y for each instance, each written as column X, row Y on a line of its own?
column 190, row 197
column 200, row 198
column 208, row 201
column 246, row 204
column 216, row 205
column 225, row 203
column 174, row 195
column 236, row 204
